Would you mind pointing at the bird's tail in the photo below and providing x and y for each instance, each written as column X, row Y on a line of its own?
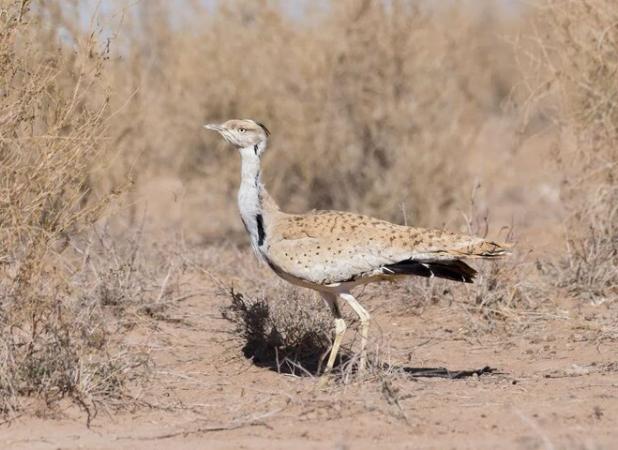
column 455, row 269
column 483, row 249
column 448, row 263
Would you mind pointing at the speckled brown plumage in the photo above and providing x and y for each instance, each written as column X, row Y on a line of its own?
column 328, row 247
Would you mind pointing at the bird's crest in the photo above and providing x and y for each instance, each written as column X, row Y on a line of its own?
column 266, row 130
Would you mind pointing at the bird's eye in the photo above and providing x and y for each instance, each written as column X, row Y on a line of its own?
column 242, row 130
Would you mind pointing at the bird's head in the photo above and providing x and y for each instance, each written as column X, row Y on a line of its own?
column 242, row 133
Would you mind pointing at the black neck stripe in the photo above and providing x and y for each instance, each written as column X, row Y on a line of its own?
column 260, row 227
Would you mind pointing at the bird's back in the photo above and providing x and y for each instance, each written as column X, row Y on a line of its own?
column 326, row 247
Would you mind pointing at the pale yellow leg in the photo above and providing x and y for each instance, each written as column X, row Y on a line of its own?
column 340, row 328
column 364, row 317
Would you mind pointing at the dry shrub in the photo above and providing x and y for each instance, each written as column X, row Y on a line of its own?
column 505, row 289
column 289, row 331
column 578, row 48
column 506, row 295
column 589, row 269
column 503, row 292
column 55, row 339
column 129, row 276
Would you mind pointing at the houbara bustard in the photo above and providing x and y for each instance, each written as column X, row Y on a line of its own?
column 333, row 251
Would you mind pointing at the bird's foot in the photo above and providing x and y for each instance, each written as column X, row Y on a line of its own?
column 324, row 381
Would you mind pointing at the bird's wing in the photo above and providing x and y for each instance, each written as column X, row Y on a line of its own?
column 327, row 247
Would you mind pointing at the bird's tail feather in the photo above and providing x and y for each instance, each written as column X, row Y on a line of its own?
column 455, row 269
column 483, row 249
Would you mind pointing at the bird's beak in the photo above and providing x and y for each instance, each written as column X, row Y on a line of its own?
column 214, row 127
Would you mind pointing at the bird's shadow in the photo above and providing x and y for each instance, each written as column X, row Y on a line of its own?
column 442, row 372
column 310, row 362
column 302, row 351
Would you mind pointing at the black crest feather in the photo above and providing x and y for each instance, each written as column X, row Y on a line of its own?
column 264, row 128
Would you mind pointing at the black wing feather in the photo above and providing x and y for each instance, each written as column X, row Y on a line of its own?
column 455, row 270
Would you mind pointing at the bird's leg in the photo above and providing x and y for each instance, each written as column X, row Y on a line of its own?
column 340, row 328
column 364, row 317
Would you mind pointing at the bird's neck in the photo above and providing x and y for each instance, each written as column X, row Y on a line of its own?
column 254, row 203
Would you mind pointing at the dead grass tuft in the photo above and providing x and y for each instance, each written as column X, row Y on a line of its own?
column 290, row 332
column 589, row 267
column 577, row 51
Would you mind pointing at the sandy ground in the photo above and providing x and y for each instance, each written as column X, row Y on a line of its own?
column 556, row 386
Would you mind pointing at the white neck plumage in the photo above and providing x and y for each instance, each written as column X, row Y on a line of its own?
column 250, row 195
